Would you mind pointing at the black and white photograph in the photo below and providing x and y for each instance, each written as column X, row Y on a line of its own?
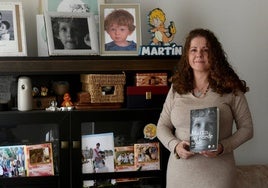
column 12, row 30
column 71, row 33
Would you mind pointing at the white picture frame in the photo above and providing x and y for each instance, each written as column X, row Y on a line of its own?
column 12, row 30
column 135, row 36
column 84, row 27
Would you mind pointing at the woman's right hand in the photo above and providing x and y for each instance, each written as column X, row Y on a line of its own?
column 182, row 150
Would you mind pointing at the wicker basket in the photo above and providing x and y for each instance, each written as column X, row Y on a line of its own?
column 104, row 88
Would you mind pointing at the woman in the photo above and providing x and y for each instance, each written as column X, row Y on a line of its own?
column 204, row 78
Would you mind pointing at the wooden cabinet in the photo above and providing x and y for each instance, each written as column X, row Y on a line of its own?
column 64, row 129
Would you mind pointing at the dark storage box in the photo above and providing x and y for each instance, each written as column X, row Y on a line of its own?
column 146, row 96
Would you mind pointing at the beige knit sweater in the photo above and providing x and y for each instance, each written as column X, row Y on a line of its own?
column 173, row 127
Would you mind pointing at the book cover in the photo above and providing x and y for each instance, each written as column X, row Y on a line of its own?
column 98, row 153
column 39, row 160
column 204, row 128
column 124, row 158
column 147, row 156
column 12, row 161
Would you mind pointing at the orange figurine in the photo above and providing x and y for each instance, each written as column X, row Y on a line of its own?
column 66, row 100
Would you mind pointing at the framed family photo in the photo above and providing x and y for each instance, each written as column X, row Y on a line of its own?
column 12, row 30
column 71, row 33
column 120, row 32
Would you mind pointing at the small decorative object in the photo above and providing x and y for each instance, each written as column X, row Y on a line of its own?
column 104, row 88
column 149, row 131
column 12, row 34
column 35, row 92
column 66, row 100
column 161, row 43
column 125, row 16
column 60, row 87
column 53, row 106
column 82, row 30
column 44, row 91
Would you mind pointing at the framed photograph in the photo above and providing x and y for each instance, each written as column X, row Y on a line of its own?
column 120, row 32
column 71, row 33
column 12, row 30
column 91, row 6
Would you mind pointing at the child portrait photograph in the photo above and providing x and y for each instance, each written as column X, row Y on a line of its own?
column 70, row 33
column 120, row 29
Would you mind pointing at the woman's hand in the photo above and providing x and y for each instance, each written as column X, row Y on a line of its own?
column 213, row 153
column 182, row 150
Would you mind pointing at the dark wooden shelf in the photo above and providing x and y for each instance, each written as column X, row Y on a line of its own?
column 78, row 64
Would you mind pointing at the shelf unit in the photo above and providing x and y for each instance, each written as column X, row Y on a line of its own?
column 72, row 67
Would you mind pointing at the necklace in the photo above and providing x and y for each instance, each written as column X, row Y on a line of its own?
column 198, row 93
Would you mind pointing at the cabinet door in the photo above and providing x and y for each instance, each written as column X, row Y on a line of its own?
column 30, row 129
column 127, row 128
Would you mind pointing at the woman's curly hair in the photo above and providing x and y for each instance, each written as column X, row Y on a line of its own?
column 222, row 78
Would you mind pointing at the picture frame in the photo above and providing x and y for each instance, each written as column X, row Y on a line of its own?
column 12, row 30
column 91, row 6
column 108, row 46
column 82, row 41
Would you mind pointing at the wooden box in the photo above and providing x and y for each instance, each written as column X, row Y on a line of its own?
column 146, row 96
column 104, row 88
column 151, row 79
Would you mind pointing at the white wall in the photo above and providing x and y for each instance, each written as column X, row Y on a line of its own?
column 240, row 25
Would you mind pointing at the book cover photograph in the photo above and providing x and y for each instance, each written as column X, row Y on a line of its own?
column 124, row 158
column 204, row 128
column 98, row 153
column 12, row 161
column 39, row 160
column 147, row 156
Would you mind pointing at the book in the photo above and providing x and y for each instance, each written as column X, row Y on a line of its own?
column 124, row 158
column 39, row 160
column 98, row 153
column 147, row 156
column 12, row 162
column 204, row 129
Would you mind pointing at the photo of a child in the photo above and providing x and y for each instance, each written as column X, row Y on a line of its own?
column 4, row 33
column 70, row 33
column 120, row 31
column 119, row 24
column 6, row 29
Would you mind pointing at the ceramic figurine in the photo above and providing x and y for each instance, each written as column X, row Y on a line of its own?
column 66, row 100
